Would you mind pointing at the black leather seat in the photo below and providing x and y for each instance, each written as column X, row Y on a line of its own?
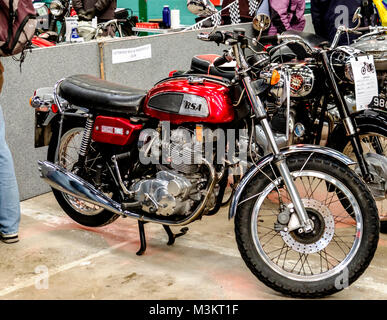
column 204, row 64
column 96, row 94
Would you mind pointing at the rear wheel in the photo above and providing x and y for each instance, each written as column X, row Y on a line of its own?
column 374, row 143
column 80, row 211
column 315, row 264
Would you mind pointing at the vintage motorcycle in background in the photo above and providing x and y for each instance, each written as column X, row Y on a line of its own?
column 302, row 216
column 52, row 22
column 317, row 104
column 322, row 91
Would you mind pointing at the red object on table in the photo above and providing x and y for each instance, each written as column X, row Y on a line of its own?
column 149, row 25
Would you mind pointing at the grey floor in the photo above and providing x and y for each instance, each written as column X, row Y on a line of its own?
column 59, row 259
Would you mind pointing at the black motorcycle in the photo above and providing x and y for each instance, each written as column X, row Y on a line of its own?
column 127, row 21
column 321, row 90
column 44, row 24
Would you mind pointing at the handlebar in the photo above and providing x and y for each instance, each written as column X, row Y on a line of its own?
column 217, row 37
column 363, row 29
column 269, row 39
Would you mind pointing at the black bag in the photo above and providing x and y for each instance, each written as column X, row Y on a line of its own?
column 17, row 26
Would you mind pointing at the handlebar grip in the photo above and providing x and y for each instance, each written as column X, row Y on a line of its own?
column 269, row 39
column 216, row 37
column 363, row 29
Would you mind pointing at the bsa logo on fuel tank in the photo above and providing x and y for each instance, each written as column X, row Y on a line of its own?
column 195, row 106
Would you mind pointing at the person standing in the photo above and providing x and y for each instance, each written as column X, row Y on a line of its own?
column 102, row 9
column 328, row 15
column 9, row 192
column 287, row 15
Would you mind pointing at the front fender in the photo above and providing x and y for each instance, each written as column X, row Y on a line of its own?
column 372, row 118
column 302, row 148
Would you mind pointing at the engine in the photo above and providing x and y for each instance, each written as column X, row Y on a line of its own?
column 179, row 184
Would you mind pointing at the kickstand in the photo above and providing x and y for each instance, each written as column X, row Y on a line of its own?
column 172, row 236
column 142, row 238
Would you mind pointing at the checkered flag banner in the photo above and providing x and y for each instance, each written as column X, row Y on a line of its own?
column 253, row 6
column 235, row 12
column 216, row 17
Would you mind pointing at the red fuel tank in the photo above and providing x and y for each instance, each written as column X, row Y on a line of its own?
column 190, row 99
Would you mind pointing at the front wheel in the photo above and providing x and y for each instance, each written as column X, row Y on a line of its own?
column 315, row 264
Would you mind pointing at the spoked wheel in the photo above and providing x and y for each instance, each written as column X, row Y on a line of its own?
column 323, row 261
column 83, row 212
column 375, row 152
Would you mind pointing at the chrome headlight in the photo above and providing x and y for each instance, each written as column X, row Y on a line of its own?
column 56, row 8
column 301, row 81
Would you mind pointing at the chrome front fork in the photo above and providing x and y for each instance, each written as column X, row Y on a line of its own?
column 280, row 162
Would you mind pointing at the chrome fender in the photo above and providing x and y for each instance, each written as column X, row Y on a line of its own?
column 302, row 148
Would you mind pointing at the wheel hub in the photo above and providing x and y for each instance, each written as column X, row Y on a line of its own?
column 323, row 229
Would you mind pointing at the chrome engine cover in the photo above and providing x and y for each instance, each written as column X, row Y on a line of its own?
column 165, row 195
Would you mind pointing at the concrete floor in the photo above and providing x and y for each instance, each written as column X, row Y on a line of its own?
column 85, row 263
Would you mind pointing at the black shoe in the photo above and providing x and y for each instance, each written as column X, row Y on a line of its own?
column 9, row 238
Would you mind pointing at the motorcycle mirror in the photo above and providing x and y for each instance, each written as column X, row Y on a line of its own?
column 357, row 15
column 261, row 22
column 201, row 8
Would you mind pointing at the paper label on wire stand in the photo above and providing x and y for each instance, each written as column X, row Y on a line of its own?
column 366, row 82
column 131, row 54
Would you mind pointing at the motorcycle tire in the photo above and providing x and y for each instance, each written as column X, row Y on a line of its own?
column 311, row 248
column 80, row 211
column 344, row 146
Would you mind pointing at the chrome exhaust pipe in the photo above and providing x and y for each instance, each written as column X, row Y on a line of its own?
column 67, row 182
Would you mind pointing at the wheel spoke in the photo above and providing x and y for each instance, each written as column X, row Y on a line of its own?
column 302, row 254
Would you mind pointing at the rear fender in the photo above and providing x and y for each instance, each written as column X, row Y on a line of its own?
column 46, row 120
column 305, row 149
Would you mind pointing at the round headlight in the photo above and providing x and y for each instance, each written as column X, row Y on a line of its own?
column 56, row 8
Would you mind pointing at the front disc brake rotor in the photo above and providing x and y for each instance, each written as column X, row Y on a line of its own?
column 322, row 234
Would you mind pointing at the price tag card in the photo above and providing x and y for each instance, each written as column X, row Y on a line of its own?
column 366, row 82
column 131, row 54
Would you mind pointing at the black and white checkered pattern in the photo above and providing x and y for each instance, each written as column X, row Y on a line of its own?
column 216, row 19
column 253, row 6
column 235, row 13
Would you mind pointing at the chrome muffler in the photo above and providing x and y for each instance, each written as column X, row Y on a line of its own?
column 67, row 182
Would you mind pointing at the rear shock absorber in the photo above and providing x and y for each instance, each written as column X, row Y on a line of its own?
column 79, row 167
column 86, row 139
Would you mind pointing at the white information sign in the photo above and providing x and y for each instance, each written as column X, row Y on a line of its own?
column 131, row 54
column 366, row 82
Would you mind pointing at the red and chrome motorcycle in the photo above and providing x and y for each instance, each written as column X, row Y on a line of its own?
column 305, row 223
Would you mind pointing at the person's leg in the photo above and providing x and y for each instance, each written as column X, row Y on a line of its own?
column 9, row 193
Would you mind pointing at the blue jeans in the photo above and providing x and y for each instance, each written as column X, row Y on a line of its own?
column 9, row 193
